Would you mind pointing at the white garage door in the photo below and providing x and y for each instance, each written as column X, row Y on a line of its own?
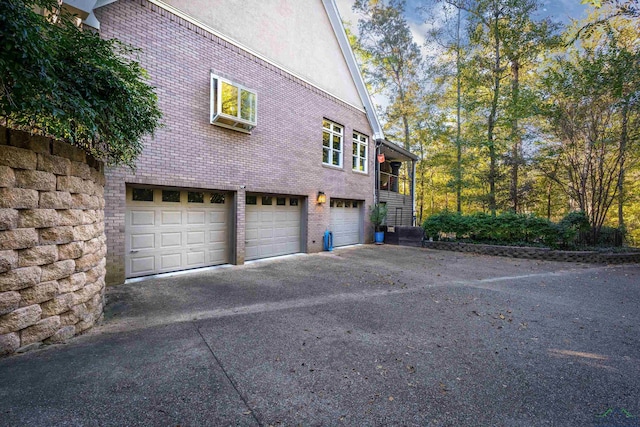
column 170, row 230
column 345, row 221
column 272, row 226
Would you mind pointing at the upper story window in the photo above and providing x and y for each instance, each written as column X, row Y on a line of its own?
column 360, row 151
column 233, row 106
column 332, row 143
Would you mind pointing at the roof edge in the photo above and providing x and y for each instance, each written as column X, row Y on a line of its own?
column 398, row 149
column 352, row 63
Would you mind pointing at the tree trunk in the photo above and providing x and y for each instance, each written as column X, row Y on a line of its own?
column 515, row 133
column 458, row 175
column 491, row 121
column 623, row 149
column 549, row 201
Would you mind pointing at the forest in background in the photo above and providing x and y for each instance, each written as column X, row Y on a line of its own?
column 510, row 112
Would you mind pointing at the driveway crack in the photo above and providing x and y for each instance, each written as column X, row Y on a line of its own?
column 231, row 381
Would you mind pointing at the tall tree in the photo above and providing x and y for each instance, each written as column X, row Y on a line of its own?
column 484, row 21
column 616, row 37
column 524, row 40
column 587, row 118
column 449, row 37
column 393, row 66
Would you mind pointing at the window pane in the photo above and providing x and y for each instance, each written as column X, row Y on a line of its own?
column 336, row 158
column 248, row 105
column 354, row 205
column 170, row 196
column 267, row 201
column 337, row 129
column 326, row 124
column 252, row 200
column 143, row 195
column 339, row 203
column 347, row 204
column 195, row 197
column 229, row 99
column 355, row 162
column 293, row 201
column 336, row 142
column 217, row 198
column 325, row 155
column 363, row 151
column 281, row 201
column 325, row 139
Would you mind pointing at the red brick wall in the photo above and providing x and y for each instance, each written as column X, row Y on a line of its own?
column 283, row 155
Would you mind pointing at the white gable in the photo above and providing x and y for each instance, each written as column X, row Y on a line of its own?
column 294, row 34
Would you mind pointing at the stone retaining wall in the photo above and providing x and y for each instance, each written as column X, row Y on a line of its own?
column 52, row 242
column 537, row 253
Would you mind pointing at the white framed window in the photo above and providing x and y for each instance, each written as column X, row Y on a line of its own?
column 332, row 135
column 233, row 106
column 360, row 152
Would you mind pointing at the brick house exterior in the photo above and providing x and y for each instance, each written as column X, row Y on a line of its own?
column 281, row 157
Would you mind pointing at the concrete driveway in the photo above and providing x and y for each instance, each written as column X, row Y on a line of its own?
column 368, row 335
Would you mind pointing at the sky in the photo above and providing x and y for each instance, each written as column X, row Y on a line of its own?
column 559, row 10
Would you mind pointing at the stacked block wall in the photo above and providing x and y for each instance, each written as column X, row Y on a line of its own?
column 52, row 241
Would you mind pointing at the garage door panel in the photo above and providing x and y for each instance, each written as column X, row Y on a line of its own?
column 219, row 236
column 170, row 261
column 195, row 258
column 216, row 256
column 196, row 217
column 170, row 236
column 266, row 250
column 218, row 217
column 141, row 218
column 142, row 241
column 195, row 237
column 281, row 232
column 171, row 218
column 143, row 265
column 171, row 240
column 251, row 234
column 265, row 233
column 266, row 216
column 251, row 252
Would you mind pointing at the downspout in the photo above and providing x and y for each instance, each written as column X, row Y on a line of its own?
column 376, row 184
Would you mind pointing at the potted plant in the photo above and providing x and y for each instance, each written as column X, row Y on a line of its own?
column 377, row 215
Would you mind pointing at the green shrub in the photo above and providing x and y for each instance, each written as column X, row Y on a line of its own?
column 377, row 215
column 506, row 228
column 60, row 81
column 610, row 236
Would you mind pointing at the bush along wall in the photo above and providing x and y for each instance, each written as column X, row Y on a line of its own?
column 52, row 241
column 509, row 229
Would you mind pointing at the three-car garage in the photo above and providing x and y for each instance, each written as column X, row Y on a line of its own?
column 169, row 229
